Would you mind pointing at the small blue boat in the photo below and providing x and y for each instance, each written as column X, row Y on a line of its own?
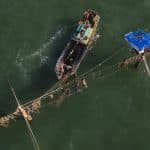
column 139, row 41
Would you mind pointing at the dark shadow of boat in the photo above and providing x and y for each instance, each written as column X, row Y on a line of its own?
column 44, row 77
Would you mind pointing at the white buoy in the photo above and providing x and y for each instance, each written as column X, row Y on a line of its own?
column 97, row 36
column 146, row 66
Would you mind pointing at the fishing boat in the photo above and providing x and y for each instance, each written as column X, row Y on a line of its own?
column 72, row 55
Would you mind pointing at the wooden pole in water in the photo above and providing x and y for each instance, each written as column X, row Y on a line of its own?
column 25, row 116
column 146, row 65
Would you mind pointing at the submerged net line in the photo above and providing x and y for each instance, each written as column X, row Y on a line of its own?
column 95, row 71
column 57, row 93
column 58, row 90
column 58, row 87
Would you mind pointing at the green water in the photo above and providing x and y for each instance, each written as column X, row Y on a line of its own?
column 113, row 114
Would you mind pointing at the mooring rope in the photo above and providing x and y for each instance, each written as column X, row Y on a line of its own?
column 101, row 63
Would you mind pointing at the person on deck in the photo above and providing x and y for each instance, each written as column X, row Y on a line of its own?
column 61, row 69
column 62, row 65
column 84, row 83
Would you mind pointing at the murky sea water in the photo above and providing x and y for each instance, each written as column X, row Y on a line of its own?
column 113, row 114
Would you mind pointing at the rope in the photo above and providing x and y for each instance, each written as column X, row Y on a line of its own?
column 101, row 63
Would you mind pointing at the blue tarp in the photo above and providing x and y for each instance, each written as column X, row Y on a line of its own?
column 138, row 40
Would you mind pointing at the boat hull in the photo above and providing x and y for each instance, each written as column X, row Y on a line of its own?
column 74, row 52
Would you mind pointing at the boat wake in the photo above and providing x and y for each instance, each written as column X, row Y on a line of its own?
column 26, row 63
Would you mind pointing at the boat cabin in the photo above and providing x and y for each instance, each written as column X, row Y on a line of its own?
column 85, row 27
column 139, row 41
column 83, row 34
